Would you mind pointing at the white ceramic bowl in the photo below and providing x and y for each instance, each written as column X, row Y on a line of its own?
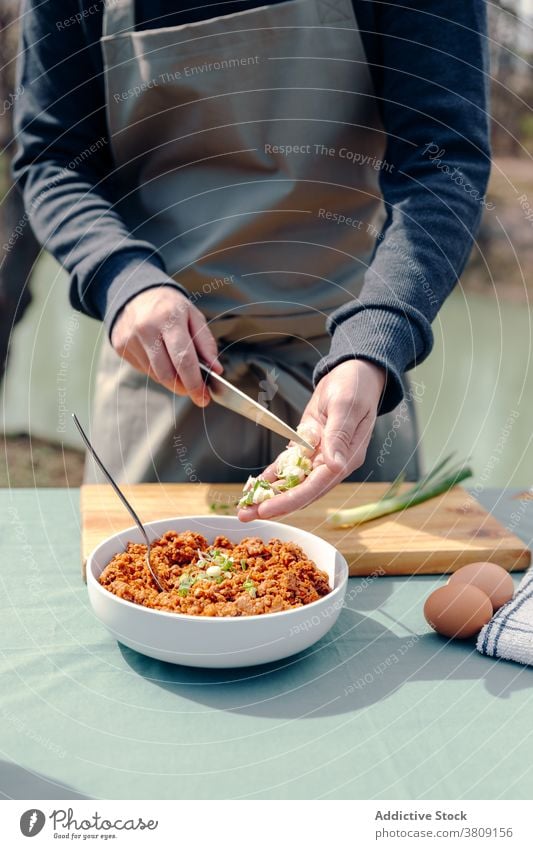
column 218, row 642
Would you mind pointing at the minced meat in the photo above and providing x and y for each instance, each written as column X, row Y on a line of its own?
column 222, row 579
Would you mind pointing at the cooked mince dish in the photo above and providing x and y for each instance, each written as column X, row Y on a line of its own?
column 222, row 579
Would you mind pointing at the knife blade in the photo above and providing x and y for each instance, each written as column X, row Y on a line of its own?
column 228, row 396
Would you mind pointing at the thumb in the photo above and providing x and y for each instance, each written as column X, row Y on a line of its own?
column 341, row 424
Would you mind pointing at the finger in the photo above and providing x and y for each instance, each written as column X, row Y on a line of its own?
column 133, row 354
column 311, row 430
column 270, row 472
column 343, row 418
column 204, row 341
column 318, row 460
column 161, row 369
column 247, row 514
column 314, row 413
column 144, row 361
column 360, row 442
column 185, row 362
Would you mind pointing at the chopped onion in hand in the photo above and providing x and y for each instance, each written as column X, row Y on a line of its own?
column 292, row 467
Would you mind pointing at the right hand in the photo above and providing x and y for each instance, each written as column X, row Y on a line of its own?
column 162, row 334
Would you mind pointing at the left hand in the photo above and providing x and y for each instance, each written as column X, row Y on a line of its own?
column 343, row 410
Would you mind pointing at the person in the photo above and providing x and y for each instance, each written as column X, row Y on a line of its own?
column 257, row 188
column 19, row 248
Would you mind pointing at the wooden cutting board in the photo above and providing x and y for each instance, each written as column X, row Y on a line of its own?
column 437, row 537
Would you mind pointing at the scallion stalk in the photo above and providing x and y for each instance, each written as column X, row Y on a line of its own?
column 443, row 477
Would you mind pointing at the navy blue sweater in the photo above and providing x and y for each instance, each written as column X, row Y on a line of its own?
column 428, row 60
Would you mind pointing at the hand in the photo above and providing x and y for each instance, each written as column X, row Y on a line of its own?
column 343, row 411
column 162, row 334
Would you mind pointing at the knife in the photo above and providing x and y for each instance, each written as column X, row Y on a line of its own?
column 228, row 396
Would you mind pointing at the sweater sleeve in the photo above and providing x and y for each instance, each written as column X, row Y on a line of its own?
column 430, row 75
column 64, row 164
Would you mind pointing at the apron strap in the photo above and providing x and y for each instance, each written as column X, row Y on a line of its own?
column 119, row 17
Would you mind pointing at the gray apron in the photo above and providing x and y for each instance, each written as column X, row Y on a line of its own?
column 246, row 149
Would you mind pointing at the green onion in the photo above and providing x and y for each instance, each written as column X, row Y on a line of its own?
column 243, row 564
column 250, row 587
column 443, row 477
column 221, row 508
column 187, row 581
column 288, row 482
column 215, row 558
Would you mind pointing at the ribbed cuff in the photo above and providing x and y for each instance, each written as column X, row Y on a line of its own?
column 125, row 275
column 382, row 336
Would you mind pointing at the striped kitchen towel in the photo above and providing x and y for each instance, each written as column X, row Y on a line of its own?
column 509, row 634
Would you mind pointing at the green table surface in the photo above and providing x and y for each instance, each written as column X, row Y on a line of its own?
column 380, row 708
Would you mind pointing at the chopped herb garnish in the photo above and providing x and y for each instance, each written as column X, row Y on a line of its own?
column 250, row 587
column 243, row 564
column 187, row 580
column 215, row 560
column 221, row 508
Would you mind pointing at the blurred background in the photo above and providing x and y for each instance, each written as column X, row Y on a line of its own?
column 474, row 391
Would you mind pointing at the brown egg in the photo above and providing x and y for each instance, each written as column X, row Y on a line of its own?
column 489, row 577
column 458, row 610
